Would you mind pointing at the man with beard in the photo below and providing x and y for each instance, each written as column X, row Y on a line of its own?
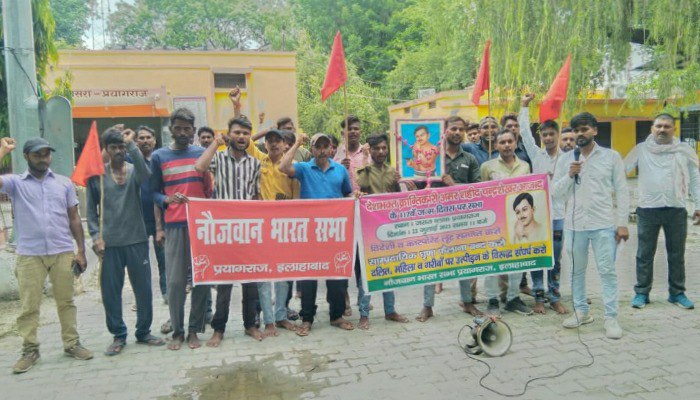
column 320, row 178
column 507, row 165
column 173, row 181
column 146, row 142
column 236, row 177
column 124, row 242
column 486, row 148
column 544, row 161
column 460, row 168
column 567, row 141
column 377, row 177
column 352, row 155
column 46, row 220
column 668, row 171
column 588, row 182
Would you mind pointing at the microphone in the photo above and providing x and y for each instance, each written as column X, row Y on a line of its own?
column 577, row 155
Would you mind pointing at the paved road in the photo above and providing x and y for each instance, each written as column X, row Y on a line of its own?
column 658, row 358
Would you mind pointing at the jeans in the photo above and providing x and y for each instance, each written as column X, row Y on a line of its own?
column 363, row 300
column 465, row 291
column 265, row 295
column 553, row 273
column 492, row 289
column 31, row 272
column 603, row 243
column 135, row 258
column 674, row 222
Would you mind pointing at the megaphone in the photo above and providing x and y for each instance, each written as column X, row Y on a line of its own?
column 490, row 336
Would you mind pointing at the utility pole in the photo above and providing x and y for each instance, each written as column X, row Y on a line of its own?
column 20, row 72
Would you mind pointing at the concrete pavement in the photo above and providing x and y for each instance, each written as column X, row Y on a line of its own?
column 658, row 357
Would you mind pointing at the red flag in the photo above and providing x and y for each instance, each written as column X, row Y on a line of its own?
column 90, row 161
column 483, row 82
column 556, row 96
column 337, row 73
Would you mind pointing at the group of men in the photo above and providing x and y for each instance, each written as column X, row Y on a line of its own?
column 143, row 193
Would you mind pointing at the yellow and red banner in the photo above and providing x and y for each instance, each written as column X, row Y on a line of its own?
column 248, row 241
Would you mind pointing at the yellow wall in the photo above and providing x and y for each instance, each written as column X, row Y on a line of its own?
column 270, row 78
column 458, row 102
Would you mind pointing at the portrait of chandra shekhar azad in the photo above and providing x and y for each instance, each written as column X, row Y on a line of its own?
column 526, row 228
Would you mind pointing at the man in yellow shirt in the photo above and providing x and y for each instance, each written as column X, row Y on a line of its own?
column 506, row 165
column 274, row 185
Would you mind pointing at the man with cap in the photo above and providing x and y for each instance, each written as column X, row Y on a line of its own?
column 320, row 178
column 274, row 185
column 46, row 222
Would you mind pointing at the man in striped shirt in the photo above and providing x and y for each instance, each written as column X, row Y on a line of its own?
column 236, row 177
column 173, row 181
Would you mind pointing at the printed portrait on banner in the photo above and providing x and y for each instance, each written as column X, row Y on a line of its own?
column 420, row 153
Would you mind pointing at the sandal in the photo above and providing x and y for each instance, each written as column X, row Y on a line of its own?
column 151, row 340
column 343, row 324
column 166, row 328
column 304, row 329
column 116, row 347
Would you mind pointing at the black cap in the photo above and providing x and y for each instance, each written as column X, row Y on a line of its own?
column 274, row 132
column 35, row 144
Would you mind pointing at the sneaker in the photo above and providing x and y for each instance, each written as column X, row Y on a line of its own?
column 26, row 362
column 640, row 300
column 79, row 352
column 517, row 306
column 577, row 319
column 493, row 308
column 612, row 328
column 681, row 301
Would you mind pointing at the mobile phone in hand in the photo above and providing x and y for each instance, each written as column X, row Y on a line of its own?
column 76, row 268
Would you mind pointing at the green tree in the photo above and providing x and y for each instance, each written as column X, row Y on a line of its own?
column 364, row 101
column 531, row 39
column 368, row 28
column 71, row 18
column 186, row 24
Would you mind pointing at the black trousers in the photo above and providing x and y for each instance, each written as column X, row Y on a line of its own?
column 249, row 302
column 335, row 295
column 674, row 222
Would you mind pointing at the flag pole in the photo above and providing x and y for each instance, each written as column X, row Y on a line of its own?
column 345, row 130
column 488, row 100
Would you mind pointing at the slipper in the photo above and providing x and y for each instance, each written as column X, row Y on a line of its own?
column 343, row 324
column 166, row 328
column 116, row 347
column 292, row 315
column 304, row 329
column 151, row 340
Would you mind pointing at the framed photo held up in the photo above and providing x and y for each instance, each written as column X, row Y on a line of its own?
column 420, row 154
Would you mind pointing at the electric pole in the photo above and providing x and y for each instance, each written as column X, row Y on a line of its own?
column 20, row 72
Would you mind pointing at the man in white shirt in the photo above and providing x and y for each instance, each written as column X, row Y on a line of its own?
column 544, row 161
column 668, row 170
column 587, row 185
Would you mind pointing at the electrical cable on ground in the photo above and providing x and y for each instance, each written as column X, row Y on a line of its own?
column 578, row 334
